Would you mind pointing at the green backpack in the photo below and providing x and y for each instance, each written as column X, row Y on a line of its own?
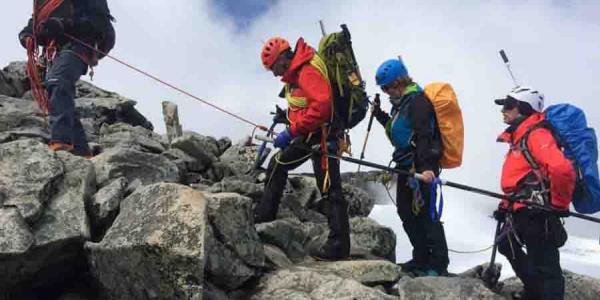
column 350, row 99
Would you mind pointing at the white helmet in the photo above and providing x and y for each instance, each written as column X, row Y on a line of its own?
column 527, row 95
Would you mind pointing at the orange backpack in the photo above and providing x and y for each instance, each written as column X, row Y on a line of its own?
column 450, row 122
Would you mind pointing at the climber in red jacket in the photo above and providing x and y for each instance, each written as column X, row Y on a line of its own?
column 310, row 104
column 536, row 170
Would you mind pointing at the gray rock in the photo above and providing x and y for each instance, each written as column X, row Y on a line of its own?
column 378, row 240
column 110, row 110
column 19, row 114
column 368, row 272
column 229, row 185
column 60, row 231
column 29, row 173
column 360, row 203
column 104, row 205
column 212, row 292
column 224, row 267
column 218, row 171
column 303, row 283
column 127, row 136
column 232, row 220
column 37, row 133
column 223, row 144
column 133, row 164
column 286, row 234
column 15, row 235
column 85, row 89
column 276, row 258
column 443, row 288
column 183, row 161
column 241, row 159
column 155, row 248
column 200, row 147
column 577, row 287
column 13, row 80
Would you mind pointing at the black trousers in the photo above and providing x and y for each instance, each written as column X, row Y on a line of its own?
column 65, row 126
column 426, row 235
column 298, row 152
column 539, row 269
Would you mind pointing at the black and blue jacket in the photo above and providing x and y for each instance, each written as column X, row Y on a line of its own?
column 412, row 128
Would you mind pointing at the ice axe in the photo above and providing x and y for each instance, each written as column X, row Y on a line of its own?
column 376, row 102
column 491, row 274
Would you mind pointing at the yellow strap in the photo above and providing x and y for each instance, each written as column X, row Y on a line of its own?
column 298, row 102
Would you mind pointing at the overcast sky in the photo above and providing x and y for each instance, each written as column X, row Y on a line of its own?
column 211, row 48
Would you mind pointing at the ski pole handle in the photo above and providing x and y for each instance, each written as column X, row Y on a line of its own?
column 503, row 55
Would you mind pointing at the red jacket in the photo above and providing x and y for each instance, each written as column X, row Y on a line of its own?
column 544, row 149
column 307, row 82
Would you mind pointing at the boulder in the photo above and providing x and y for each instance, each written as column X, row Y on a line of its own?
column 104, row 205
column 133, row 164
column 360, row 203
column 133, row 137
column 19, row 114
column 367, row 272
column 223, row 266
column 230, row 185
column 13, row 80
column 577, row 287
column 276, row 258
column 184, row 162
column 378, row 240
column 202, row 148
column 110, row 110
column 155, row 248
column 240, row 158
column 59, row 232
column 288, row 235
column 443, row 288
column 232, row 220
column 31, row 182
column 304, row 283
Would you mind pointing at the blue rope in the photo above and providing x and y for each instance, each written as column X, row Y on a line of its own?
column 435, row 212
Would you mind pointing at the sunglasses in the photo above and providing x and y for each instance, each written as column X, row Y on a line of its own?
column 509, row 104
column 392, row 85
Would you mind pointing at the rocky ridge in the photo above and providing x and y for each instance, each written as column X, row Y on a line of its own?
column 149, row 219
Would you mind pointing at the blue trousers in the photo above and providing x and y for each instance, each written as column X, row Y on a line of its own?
column 65, row 126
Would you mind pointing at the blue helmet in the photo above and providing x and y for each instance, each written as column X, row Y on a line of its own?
column 389, row 71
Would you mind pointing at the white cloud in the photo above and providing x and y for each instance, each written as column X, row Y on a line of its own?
column 554, row 46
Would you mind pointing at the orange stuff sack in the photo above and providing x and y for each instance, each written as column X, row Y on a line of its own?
column 450, row 122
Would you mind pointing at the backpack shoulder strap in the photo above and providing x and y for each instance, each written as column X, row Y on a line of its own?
column 523, row 143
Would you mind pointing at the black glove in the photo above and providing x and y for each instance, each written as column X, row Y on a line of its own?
column 280, row 116
column 500, row 214
column 376, row 105
column 51, row 29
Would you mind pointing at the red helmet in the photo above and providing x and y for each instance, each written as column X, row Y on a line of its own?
column 271, row 50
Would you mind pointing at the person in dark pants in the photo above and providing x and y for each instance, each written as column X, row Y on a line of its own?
column 309, row 96
column 552, row 185
column 90, row 22
column 412, row 129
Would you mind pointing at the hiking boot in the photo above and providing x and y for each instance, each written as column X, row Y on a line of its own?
column 410, row 266
column 425, row 273
column 60, row 146
column 331, row 250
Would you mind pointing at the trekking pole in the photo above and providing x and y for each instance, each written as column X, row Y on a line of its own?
column 491, row 275
column 322, row 28
column 377, row 102
column 507, row 63
column 448, row 183
column 263, row 146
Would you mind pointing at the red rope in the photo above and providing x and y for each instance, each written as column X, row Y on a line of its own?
column 263, row 128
